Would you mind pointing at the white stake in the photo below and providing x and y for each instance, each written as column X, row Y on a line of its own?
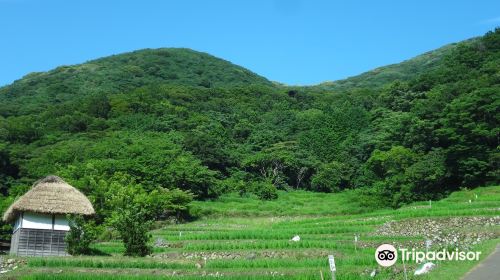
column 331, row 260
column 356, row 242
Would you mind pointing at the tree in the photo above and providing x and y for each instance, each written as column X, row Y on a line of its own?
column 389, row 166
column 81, row 235
column 398, row 96
column 210, row 144
column 331, row 177
column 391, row 162
column 428, row 174
column 187, row 173
column 132, row 219
column 283, row 164
column 469, row 130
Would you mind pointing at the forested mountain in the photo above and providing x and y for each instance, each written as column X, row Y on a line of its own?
column 121, row 73
column 404, row 71
column 168, row 119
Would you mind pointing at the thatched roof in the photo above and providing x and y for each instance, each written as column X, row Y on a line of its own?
column 50, row 195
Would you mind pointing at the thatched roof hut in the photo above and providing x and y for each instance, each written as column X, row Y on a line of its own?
column 39, row 216
column 50, row 195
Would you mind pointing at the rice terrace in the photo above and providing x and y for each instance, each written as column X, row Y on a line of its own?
column 132, row 147
column 250, row 239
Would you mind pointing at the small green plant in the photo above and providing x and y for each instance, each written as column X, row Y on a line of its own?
column 134, row 230
column 81, row 235
column 265, row 190
column 135, row 209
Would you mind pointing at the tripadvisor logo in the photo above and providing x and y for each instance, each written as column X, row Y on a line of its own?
column 387, row 255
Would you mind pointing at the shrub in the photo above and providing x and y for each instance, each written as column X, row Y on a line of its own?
column 133, row 227
column 81, row 235
column 265, row 190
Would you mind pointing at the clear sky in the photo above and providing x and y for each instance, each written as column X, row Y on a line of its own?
column 290, row 41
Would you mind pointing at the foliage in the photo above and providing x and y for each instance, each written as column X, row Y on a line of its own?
column 133, row 229
column 331, row 177
column 264, row 190
column 81, row 235
column 174, row 124
column 133, row 219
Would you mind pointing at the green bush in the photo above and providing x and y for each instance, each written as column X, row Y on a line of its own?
column 134, row 231
column 81, row 235
column 264, row 190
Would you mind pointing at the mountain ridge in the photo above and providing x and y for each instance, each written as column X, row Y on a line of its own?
column 407, row 140
column 403, row 70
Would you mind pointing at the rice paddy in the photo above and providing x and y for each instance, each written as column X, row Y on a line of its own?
column 244, row 238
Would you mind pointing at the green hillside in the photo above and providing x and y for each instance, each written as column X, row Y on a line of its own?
column 122, row 73
column 144, row 133
column 404, row 71
column 238, row 125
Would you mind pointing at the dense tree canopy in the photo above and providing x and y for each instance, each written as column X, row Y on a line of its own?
column 174, row 123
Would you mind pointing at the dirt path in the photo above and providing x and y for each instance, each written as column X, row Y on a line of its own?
column 487, row 269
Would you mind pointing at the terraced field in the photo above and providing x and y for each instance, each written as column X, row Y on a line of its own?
column 242, row 238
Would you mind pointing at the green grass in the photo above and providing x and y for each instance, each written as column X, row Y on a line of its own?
column 80, row 276
column 101, row 262
column 232, row 243
column 289, row 203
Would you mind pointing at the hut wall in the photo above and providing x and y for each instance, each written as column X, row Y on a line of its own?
column 36, row 221
column 14, row 242
column 38, row 242
column 18, row 222
column 61, row 223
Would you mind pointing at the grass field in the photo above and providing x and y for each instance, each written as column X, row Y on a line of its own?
column 244, row 238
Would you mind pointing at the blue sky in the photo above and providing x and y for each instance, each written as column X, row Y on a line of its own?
column 290, row 41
